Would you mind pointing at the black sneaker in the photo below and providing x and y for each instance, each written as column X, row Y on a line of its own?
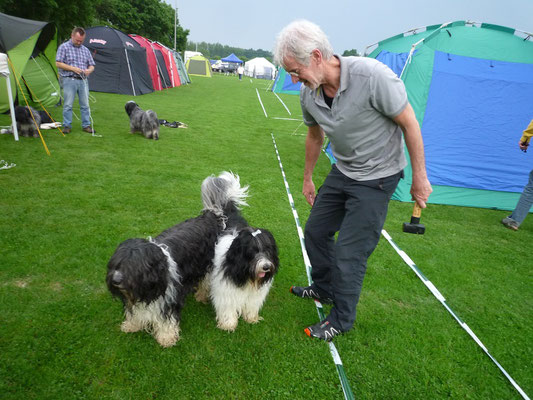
column 309, row 293
column 322, row 330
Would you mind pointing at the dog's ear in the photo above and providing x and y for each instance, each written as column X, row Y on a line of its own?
column 267, row 245
column 238, row 259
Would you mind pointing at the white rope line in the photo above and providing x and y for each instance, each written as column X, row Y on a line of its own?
column 282, row 103
column 287, row 119
column 333, row 350
column 260, row 102
column 442, row 300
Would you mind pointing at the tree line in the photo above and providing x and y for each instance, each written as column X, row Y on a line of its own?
column 153, row 19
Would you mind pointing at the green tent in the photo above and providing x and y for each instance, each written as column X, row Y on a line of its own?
column 284, row 83
column 471, row 86
column 198, row 66
column 31, row 48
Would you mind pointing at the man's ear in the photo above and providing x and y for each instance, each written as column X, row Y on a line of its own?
column 317, row 56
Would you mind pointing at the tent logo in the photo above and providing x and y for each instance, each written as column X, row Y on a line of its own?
column 129, row 44
column 101, row 41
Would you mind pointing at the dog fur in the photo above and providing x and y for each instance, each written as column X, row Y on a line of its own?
column 245, row 262
column 154, row 277
column 145, row 122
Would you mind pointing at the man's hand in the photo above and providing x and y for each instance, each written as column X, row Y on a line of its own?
column 523, row 145
column 420, row 190
column 309, row 191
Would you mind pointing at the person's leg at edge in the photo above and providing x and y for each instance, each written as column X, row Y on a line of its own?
column 83, row 95
column 524, row 202
column 366, row 211
column 69, row 91
column 323, row 222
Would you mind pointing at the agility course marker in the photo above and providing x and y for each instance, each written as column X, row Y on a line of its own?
column 333, row 350
column 282, row 103
column 287, row 119
column 442, row 300
column 260, row 102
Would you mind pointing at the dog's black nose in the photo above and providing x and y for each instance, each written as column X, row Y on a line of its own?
column 267, row 267
column 117, row 278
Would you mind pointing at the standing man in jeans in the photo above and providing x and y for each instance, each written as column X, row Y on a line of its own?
column 362, row 106
column 75, row 64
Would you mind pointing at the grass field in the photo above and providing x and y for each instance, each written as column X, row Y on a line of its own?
column 63, row 216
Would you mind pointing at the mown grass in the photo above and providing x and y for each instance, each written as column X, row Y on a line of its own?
column 63, row 216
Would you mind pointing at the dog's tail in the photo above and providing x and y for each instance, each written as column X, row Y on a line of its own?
column 223, row 193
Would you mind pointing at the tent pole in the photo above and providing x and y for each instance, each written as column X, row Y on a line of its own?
column 12, row 109
column 5, row 71
column 175, row 21
column 129, row 70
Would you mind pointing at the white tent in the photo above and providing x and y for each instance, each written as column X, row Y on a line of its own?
column 188, row 54
column 260, row 68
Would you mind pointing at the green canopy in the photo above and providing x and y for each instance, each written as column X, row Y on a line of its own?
column 471, row 87
column 31, row 48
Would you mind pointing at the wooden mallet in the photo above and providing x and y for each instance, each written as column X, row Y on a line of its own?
column 415, row 226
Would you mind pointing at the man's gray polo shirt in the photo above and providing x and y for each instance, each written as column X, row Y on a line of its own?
column 365, row 140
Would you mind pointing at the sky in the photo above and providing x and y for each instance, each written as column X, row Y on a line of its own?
column 348, row 24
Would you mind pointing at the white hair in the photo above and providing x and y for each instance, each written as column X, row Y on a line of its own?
column 298, row 40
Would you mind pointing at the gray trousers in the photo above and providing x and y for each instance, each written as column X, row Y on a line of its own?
column 357, row 211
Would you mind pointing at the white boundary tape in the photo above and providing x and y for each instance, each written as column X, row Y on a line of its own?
column 260, row 102
column 282, row 103
column 442, row 300
column 333, row 350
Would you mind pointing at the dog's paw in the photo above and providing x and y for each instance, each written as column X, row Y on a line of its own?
column 252, row 319
column 128, row 327
column 228, row 325
column 201, row 297
column 167, row 340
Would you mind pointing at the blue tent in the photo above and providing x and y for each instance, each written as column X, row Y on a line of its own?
column 233, row 59
column 284, row 84
column 471, row 86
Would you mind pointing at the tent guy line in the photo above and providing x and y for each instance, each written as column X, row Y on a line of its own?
column 333, row 350
column 260, row 102
column 442, row 300
column 282, row 103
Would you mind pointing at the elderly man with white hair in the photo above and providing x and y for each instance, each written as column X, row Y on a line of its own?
column 362, row 107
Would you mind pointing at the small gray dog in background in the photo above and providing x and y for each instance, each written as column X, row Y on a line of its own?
column 142, row 121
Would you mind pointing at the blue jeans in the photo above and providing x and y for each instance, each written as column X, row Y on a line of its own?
column 357, row 211
column 524, row 203
column 71, row 87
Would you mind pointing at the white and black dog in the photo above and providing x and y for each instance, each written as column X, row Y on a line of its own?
column 153, row 277
column 142, row 121
column 26, row 125
column 245, row 262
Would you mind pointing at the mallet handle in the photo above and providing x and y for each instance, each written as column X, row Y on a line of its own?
column 417, row 212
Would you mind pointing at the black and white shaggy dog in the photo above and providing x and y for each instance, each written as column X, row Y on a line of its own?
column 245, row 262
column 153, row 277
column 25, row 123
column 142, row 121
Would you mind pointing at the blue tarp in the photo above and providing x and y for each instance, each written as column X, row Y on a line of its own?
column 394, row 61
column 472, row 122
column 232, row 58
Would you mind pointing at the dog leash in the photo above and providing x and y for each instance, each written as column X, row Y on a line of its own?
column 348, row 394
